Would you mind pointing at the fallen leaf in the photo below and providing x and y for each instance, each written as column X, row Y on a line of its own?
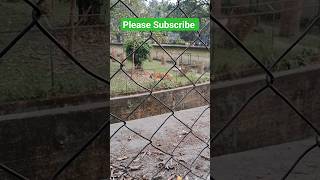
column 169, row 166
column 122, row 158
column 135, row 168
column 205, row 157
column 179, row 178
column 181, row 160
column 158, row 152
column 159, row 177
column 184, row 132
column 136, row 160
column 160, row 159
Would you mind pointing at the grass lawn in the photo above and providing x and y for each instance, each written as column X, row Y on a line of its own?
column 121, row 84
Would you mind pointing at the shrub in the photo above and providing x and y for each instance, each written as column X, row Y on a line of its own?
column 141, row 54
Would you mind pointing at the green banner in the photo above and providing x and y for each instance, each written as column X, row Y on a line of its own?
column 159, row 24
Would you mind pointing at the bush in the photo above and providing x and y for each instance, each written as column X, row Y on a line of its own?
column 141, row 54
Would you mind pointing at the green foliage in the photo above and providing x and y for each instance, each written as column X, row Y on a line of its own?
column 159, row 8
column 140, row 54
column 180, row 41
column 162, row 37
column 120, row 11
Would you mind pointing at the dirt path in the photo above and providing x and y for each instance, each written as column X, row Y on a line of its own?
column 151, row 161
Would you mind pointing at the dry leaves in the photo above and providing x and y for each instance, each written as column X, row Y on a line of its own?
column 122, row 158
column 135, row 168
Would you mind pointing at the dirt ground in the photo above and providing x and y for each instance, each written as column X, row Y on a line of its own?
column 269, row 163
column 131, row 150
column 143, row 161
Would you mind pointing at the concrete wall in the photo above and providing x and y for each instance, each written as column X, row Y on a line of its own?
column 54, row 102
column 37, row 143
column 267, row 120
column 123, row 106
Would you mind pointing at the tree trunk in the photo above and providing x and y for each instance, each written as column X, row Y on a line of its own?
column 290, row 17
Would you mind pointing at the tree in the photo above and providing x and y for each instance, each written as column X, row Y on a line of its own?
column 195, row 9
column 140, row 54
column 290, row 17
column 119, row 11
column 159, row 8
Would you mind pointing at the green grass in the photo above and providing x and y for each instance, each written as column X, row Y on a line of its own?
column 156, row 65
column 227, row 60
column 121, row 84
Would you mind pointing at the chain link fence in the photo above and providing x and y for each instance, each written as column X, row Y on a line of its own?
column 256, row 21
column 35, row 54
column 41, row 29
column 270, row 80
column 155, row 155
column 128, row 169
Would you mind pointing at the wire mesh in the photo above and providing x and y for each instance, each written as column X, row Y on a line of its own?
column 37, row 13
column 127, row 169
column 270, row 79
column 269, row 84
column 36, row 16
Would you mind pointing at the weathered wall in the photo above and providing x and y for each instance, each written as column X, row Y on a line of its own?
column 267, row 120
column 54, row 102
column 37, row 143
